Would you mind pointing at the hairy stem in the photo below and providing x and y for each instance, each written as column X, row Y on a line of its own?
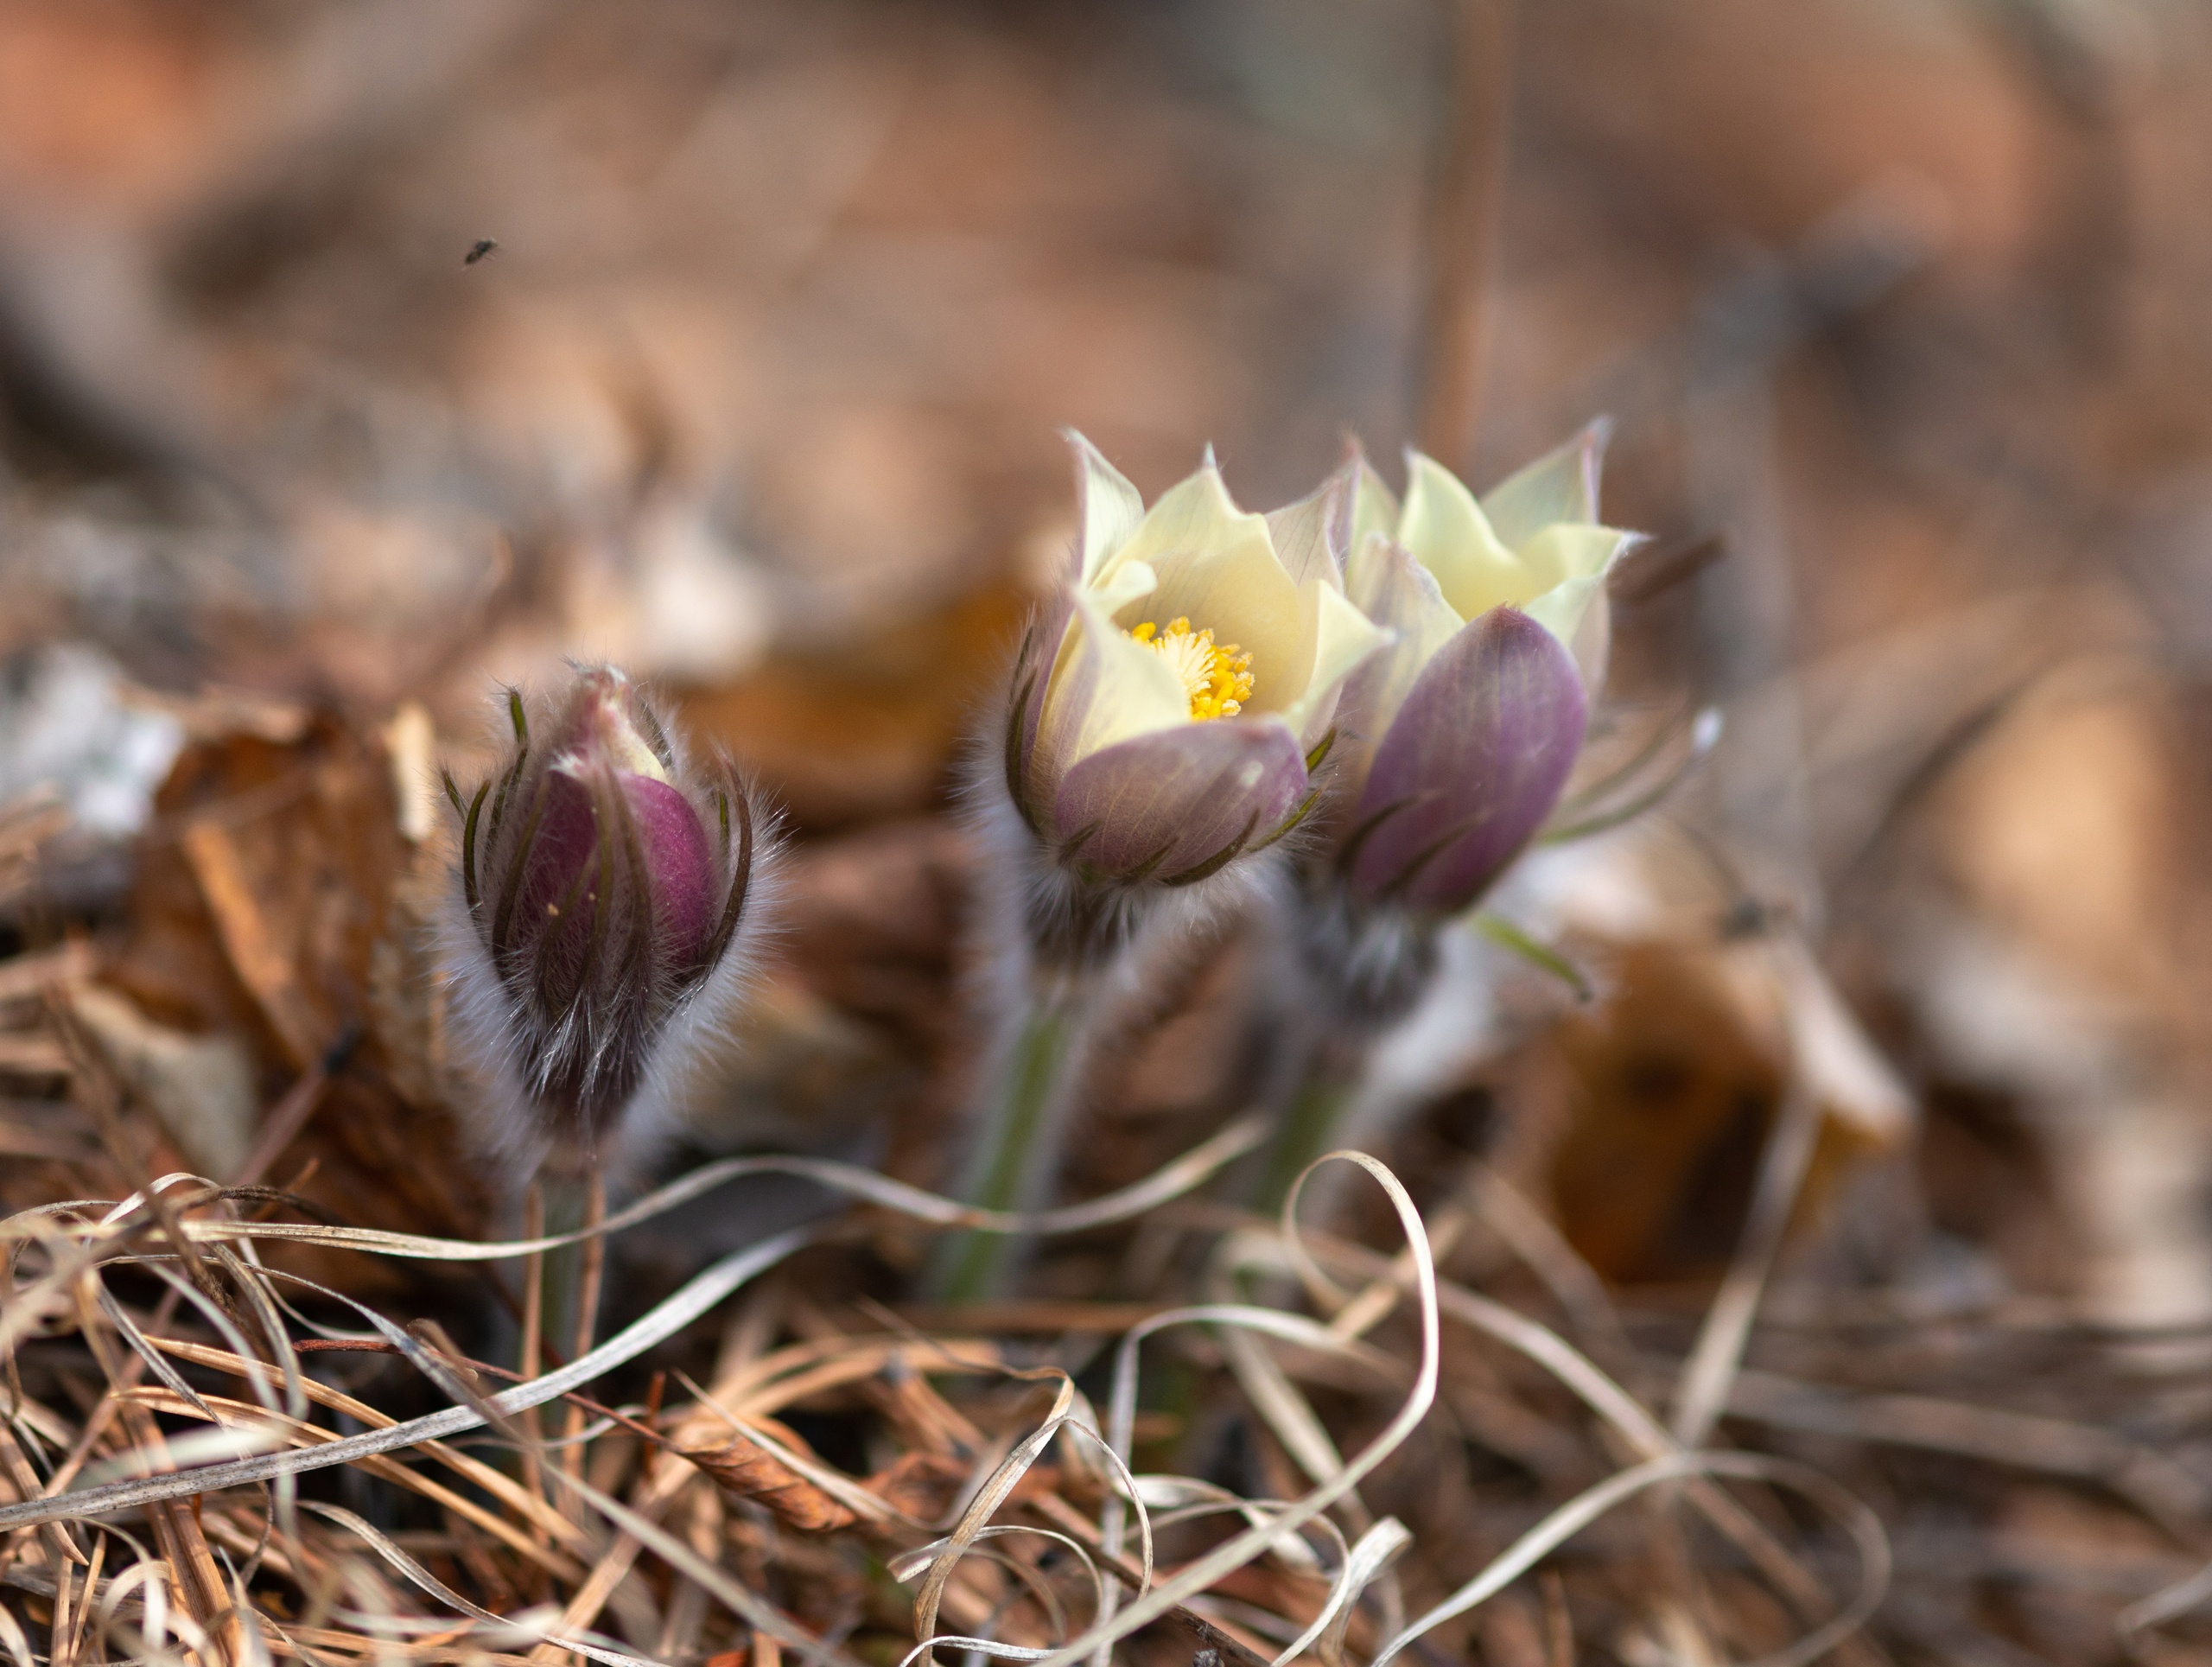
column 1014, row 1161
column 533, row 1327
column 1310, row 1121
column 571, row 1187
column 591, row 1274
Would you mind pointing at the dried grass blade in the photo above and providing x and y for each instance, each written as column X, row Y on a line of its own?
column 128, row 1330
column 1712, row 1363
column 419, row 1576
column 1191, row 1169
column 414, row 1481
column 1121, row 1407
column 754, row 1610
column 13, row 1635
column 978, row 1646
column 1588, row 1506
column 501, row 1486
column 865, row 1360
column 1368, row 1557
column 1598, row 1391
column 662, row 1322
column 909, row 1564
column 1288, row 1414
column 1243, row 1547
column 2163, row 1607
column 979, row 1510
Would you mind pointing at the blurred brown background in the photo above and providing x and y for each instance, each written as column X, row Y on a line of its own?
column 1903, row 310
column 1899, row 308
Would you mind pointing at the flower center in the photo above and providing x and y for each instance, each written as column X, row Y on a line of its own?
column 1216, row 678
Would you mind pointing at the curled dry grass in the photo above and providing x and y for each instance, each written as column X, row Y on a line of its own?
column 158, row 1522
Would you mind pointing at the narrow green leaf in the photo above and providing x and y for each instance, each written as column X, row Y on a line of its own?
column 1507, row 936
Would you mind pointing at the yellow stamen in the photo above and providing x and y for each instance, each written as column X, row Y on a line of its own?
column 1217, row 678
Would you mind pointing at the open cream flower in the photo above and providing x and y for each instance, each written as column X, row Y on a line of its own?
column 1471, row 721
column 1165, row 706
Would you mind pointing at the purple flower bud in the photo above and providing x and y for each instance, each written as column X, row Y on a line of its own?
column 1469, row 768
column 602, row 885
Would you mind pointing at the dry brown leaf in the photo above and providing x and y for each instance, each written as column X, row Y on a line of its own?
column 200, row 1087
column 1670, row 1088
column 873, row 729
column 748, row 1469
column 264, row 888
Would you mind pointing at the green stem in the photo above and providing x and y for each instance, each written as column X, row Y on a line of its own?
column 1309, row 1125
column 564, row 1194
column 1020, row 1148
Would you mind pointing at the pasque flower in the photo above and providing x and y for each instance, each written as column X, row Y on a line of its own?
column 1166, row 713
column 1472, row 720
column 603, row 887
column 1168, row 705
column 1460, row 737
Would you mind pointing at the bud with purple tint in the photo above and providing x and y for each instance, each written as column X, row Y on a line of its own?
column 1469, row 768
column 1458, row 739
column 603, row 887
column 1469, row 723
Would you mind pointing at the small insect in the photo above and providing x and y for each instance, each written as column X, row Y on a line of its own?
column 478, row 250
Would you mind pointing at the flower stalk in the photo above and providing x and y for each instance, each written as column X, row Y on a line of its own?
column 530, row 1355
column 561, row 1296
column 588, row 1259
column 1018, row 1147
column 1316, row 1111
column 1166, row 717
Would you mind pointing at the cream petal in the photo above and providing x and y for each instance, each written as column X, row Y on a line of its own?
column 1592, row 644
column 1568, row 551
column 1195, row 514
column 1312, row 537
column 1401, row 595
column 1115, row 590
column 1561, row 485
column 596, row 727
column 1575, row 609
column 1105, row 687
column 1109, row 508
column 1343, row 639
column 1560, row 609
column 1217, row 566
column 1374, row 506
column 1445, row 528
column 1051, row 647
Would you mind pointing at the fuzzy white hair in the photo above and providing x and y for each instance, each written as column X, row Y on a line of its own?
column 510, row 1124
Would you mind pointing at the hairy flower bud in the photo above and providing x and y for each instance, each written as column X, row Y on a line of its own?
column 602, row 890
column 1469, row 769
column 1469, row 724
